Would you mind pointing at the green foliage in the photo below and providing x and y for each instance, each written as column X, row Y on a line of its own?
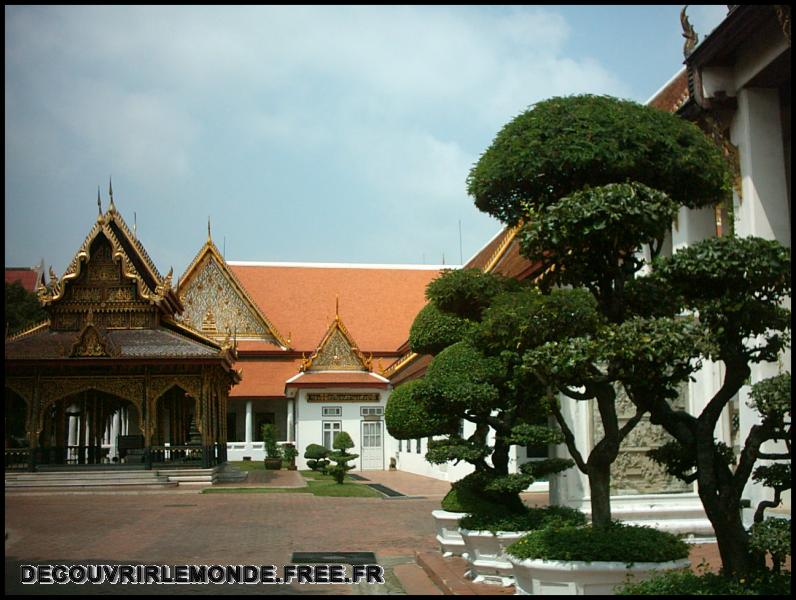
column 467, row 292
column 22, row 308
column 272, row 449
column 526, row 434
column 615, row 543
column 407, row 414
column 592, row 231
column 650, row 297
column 510, row 484
column 433, row 330
column 461, row 378
column 469, row 495
column 316, row 454
column 775, row 475
column 456, row 449
column 737, row 286
column 342, row 442
column 526, row 319
column 771, row 397
column 530, row 520
column 687, row 583
column 680, row 461
column 772, row 536
column 544, row 468
column 563, row 145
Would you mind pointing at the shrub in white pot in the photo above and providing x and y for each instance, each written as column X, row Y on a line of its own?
column 592, row 560
column 446, row 523
column 488, row 534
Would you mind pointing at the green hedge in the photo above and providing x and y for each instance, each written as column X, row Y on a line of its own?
column 531, row 520
column 616, row 543
column 686, row 583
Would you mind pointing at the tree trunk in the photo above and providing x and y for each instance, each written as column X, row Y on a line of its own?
column 600, row 486
column 731, row 535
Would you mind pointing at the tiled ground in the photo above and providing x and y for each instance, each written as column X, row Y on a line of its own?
column 187, row 527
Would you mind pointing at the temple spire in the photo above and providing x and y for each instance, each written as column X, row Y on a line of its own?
column 337, row 307
column 111, row 206
column 99, row 204
column 209, row 239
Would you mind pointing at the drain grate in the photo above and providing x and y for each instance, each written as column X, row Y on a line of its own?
column 385, row 490
column 357, row 477
column 345, row 558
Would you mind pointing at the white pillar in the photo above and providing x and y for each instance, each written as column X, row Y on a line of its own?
column 290, row 419
column 116, row 427
column 249, row 423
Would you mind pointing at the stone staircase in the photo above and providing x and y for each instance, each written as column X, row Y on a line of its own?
column 88, row 480
column 119, row 478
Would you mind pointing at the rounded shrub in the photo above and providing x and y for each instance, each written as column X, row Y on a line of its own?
column 316, row 455
column 687, row 583
column 342, row 443
column 407, row 417
column 616, row 543
column 531, row 520
column 433, row 330
column 563, row 145
column 469, row 495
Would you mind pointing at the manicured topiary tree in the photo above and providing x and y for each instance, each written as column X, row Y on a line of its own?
column 594, row 179
column 342, row 443
column 473, row 378
column 316, row 456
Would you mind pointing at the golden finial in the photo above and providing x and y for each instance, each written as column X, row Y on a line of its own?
column 99, row 204
column 690, row 35
column 111, row 206
column 337, row 307
column 90, row 317
column 53, row 277
column 209, row 239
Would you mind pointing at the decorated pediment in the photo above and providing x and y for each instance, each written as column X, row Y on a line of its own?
column 216, row 303
column 337, row 352
column 93, row 342
column 111, row 275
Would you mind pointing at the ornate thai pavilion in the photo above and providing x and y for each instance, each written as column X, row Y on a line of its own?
column 111, row 377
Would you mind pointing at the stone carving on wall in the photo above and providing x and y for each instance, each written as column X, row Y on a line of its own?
column 633, row 472
column 210, row 296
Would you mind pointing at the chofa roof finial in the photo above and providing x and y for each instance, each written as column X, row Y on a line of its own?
column 690, row 35
column 111, row 206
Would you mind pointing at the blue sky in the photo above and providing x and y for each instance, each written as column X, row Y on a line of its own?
column 327, row 134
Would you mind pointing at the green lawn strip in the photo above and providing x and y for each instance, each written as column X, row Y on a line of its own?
column 318, row 476
column 249, row 465
column 331, row 488
column 256, row 490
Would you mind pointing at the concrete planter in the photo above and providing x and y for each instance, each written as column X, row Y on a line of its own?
column 447, row 525
column 486, row 553
column 553, row 577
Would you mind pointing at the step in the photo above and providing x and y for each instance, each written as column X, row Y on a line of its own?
column 67, row 475
column 90, row 482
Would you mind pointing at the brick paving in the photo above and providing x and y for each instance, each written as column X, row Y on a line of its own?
column 187, row 527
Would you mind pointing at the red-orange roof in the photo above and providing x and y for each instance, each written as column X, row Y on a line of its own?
column 377, row 304
column 337, row 379
column 264, row 378
column 26, row 277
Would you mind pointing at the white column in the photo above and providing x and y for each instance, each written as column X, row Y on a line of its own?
column 116, row 427
column 72, row 441
column 290, row 419
column 764, row 211
column 249, row 422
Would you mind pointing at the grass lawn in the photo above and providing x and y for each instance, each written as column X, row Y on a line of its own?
column 324, row 486
column 249, row 465
column 256, row 490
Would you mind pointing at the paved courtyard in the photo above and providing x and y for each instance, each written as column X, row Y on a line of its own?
column 187, row 527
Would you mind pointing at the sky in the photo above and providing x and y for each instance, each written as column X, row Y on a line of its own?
column 305, row 134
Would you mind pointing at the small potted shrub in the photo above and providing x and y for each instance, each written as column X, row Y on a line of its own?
column 572, row 559
column 273, row 454
column 342, row 443
column 316, row 457
column 290, row 453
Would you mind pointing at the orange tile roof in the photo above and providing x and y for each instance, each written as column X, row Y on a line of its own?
column 335, row 379
column 257, row 346
column 377, row 304
column 673, row 94
column 264, row 378
column 27, row 278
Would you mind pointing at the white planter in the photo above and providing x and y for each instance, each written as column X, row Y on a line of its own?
column 486, row 553
column 448, row 536
column 553, row 577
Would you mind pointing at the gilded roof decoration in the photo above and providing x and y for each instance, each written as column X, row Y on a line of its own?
column 92, row 343
column 216, row 303
column 337, row 352
column 150, row 284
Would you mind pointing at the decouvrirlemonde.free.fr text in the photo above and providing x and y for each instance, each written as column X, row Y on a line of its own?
column 201, row 574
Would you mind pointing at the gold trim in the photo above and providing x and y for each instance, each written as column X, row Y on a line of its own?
column 30, row 329
column 399, row 364
column 337, row 325
column 502, row 248
column 210, row 248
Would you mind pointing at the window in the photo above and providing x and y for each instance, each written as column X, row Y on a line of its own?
column 332, row 411
column 330, row 429
column 367, row 411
